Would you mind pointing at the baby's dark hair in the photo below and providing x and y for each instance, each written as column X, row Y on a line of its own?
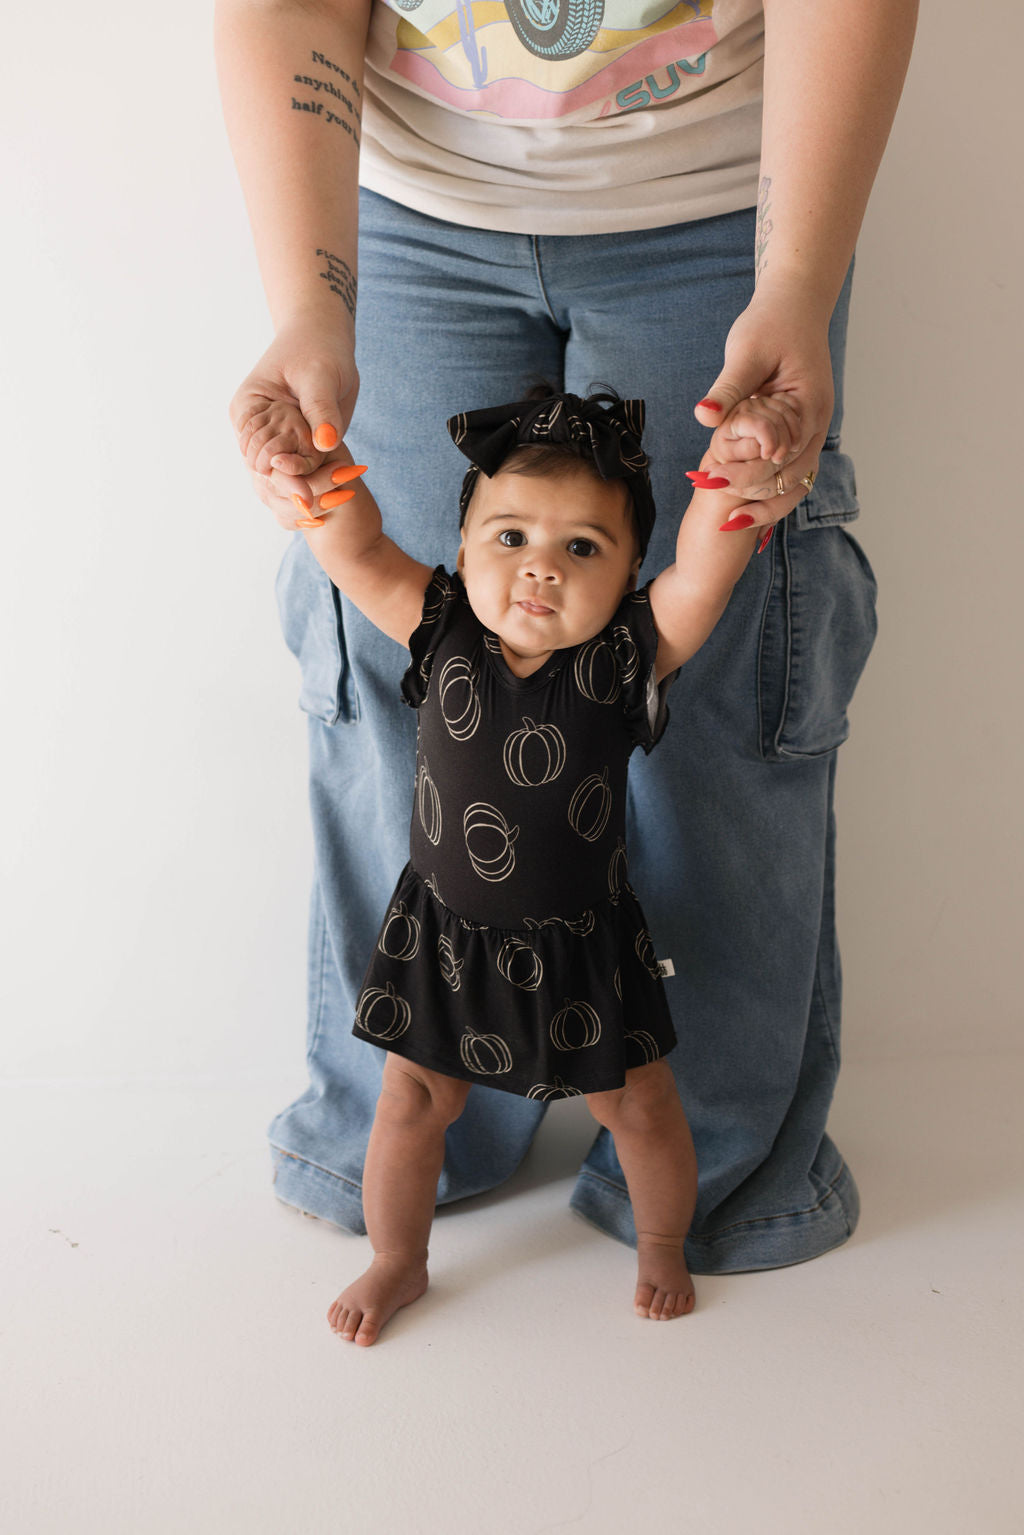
column 561, row 459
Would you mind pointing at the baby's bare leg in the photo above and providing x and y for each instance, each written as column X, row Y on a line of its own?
column 654, row 1145
column 404, row 1158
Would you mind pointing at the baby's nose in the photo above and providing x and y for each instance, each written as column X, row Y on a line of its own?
column 540, row 565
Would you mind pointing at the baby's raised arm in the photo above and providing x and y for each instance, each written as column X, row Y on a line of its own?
column 349, row 541
column 690, row 596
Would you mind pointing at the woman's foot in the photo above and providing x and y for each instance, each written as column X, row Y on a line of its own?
column 664, row 1288
column 391, row 1281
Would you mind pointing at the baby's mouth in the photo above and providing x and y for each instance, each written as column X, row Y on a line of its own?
column 535, row 609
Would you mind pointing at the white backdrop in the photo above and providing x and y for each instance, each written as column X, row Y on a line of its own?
column 153, row 772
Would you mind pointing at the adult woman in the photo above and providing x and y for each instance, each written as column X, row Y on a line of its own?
column 553, row 188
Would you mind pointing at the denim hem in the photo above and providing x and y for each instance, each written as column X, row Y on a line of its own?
column 764, row 1242
column 317, row 1191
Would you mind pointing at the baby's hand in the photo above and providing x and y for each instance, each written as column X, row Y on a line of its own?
column 755, row 451
column 765, row 426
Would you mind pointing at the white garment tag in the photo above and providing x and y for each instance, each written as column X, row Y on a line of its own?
column 666, row 967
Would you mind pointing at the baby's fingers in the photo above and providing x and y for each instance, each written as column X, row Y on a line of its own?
column 773, row 421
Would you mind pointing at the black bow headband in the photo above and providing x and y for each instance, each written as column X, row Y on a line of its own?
column 611, row 432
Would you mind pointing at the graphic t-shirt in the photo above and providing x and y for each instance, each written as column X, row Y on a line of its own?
column 564, row 116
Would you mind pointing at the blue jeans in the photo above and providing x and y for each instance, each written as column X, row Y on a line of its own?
column 732, row 837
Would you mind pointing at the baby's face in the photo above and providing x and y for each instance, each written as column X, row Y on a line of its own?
column 546, row 561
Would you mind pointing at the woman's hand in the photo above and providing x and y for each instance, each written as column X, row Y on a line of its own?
column 777, row 350
column 329, row 486
column 290, row 413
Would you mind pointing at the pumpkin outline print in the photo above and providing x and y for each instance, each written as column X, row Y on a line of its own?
column 588, row 816
column 371, row 1001
column 618, row 868
column 471, row 1042
column 590, row 660
column 450, row 967
column 617, row 982
column 514, row 755
column 526, row 974
column 458, row 672
column 646, row 1043
column 480, row 817
column 584, row 1014
column 582, row 926
column 547, row 1091
column 405, row 941
column 644, row 948
column 428, row 806
column 627, row 652
column 439, row 594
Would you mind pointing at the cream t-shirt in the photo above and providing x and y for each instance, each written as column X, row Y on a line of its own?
column 564, row 116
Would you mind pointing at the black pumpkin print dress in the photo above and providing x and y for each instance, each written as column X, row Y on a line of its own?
column 514, row 952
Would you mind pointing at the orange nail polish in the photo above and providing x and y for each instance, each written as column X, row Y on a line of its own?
column 325, row 437
column 348, row 472
column 311, row 522
column 301, row 505
column 335, row 498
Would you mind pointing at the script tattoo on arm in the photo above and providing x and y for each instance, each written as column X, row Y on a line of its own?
column 334, row 101
column 764, row 228
column 341, row 280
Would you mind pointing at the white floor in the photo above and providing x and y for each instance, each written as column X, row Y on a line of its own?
column 167, row 1365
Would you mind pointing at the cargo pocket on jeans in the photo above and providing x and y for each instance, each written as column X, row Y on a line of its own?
column 309, row 605
column 817, row 628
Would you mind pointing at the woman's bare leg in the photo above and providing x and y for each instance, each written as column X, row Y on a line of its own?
column 404, row 1158
column 654, row 1145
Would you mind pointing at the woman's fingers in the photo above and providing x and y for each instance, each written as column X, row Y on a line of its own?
column 772, row 498
column 329, row 486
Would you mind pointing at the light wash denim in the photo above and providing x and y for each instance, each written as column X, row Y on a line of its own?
column 732, row 836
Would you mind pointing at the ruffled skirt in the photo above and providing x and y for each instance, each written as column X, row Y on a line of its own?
column 549, row 1011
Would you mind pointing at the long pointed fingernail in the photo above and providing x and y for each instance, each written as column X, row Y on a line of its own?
column 704, row 481
column 311, row 522
column 766, row 540
column 742, row 521
column 302, row 506
column 335, row 498
column 348, row 472
column 325, row 437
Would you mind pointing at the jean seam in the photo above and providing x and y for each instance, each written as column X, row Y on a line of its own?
column 320, row 988
column 535, row 246
column 338, row 1177
column 760, row 1220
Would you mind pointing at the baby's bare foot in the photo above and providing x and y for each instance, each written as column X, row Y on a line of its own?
column 664, row 1288
column 392, row 1280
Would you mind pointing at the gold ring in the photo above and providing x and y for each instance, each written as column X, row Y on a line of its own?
column 780, row 487
column 808, row 479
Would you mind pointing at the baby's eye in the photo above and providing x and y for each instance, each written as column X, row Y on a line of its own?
column 512, row 538
column 583, row 547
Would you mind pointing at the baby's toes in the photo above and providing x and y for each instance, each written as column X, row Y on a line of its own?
column 368, row 1329
column 349, row 1323
column 642, row 1299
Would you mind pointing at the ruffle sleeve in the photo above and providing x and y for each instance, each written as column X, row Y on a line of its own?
column 440, row 601
column 634, row 639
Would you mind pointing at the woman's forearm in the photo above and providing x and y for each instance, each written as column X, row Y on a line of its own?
column 291, row 79
column 833, row 73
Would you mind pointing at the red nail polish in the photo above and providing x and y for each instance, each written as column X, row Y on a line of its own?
column 709, row 404
column 766, row 540
column 742, row 521
column 713, row 482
